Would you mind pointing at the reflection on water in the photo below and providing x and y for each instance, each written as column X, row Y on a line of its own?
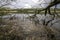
column 40, row 17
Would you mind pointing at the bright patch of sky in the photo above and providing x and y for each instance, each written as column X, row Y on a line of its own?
column 27, row 6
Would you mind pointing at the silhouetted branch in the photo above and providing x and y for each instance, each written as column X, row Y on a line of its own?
column 47, row 9
column 55, row 22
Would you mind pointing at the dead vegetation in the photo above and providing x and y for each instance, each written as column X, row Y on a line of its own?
column 16, row 29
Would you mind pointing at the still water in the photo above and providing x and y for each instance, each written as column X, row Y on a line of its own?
column 24, row 17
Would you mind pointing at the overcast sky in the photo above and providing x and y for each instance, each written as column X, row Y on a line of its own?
column 29, row 3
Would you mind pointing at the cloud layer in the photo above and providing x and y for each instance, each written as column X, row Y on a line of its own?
column 29, row 4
